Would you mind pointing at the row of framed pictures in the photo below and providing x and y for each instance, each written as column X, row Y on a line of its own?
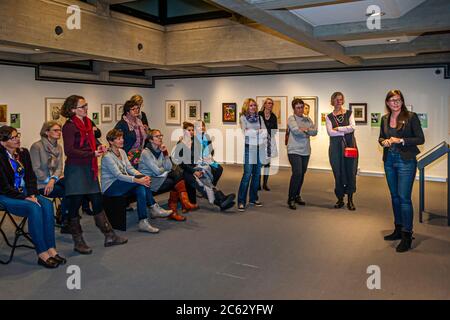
column 192, row 111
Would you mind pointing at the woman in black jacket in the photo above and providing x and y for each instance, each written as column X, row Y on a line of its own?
column 19, row 195
column 400, row 134
column 271, row 122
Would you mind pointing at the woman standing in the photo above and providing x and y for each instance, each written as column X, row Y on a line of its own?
column 81, row 173
column 20, row 196
column 255, row 133
column 341, row 129
column 400, row 134
column 301, row 128
column 271, row 123
column 138, row 100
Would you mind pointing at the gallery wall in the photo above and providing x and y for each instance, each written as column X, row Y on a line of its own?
column 426, row 91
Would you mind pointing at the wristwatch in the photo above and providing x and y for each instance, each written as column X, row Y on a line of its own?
column 402, row 142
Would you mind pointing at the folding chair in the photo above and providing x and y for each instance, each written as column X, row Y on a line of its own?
column 19, row 232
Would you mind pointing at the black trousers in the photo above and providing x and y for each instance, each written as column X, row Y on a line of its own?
column 74, row 203
column 190, row 186
column 344, row 169
column 217, row 173
column 170, row 182
column 299, row 165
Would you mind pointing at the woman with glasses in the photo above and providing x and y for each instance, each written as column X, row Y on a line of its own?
column 138, row 100
column 19, row 195
column 341, row 128
column 81, row 173
column 255, row 133
column 400, row 134
column 271, row 122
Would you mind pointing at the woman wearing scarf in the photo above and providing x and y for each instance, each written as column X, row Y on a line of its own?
column 81, row 173
column 134, row 132
column 271, row 122
column 255, row 133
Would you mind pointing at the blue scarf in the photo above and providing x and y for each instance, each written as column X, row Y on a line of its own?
column 252, row 118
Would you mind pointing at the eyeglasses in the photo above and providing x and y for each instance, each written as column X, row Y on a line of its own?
column 84, row 106
column 137, row 108
column 159, row 136
column 395, row 101
column 55, row 130
column 15, row 137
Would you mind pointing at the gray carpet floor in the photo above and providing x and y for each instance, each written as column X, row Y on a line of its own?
column 272, row 252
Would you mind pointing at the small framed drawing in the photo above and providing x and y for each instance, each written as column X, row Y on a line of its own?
column 119, row 111
column 279, row 108
column 207, row 117
column 95, row 118
column 359, row 112
column 229, row 110
column 311, row 109
column 192, row 110
column 107, row 113
column 15, row 120
column 173, row 111
column 53, row 110
column 3, row 114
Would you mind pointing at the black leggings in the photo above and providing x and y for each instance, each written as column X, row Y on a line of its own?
column 170, row 182
column 74, row 203
column 299, row 165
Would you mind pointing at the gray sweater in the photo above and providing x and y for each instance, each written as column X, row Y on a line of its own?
column 156, row 168
column 114, row 169
column 298, row 142
column 39, row 159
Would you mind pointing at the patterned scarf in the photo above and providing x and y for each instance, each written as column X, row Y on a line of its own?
column 53, row 152
column 135, row 124
column 252, row 118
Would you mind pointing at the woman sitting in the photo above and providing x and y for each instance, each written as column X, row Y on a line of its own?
column 20, row 196
column 120, row 178
column 155, row 162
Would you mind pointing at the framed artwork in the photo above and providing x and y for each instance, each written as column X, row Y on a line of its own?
column 311, row 108
column 279, row 108
column 359, row 112
column 96, row 118
column 107, row 113
column 53, row 110
column 192, row 110
column 207, row 117
column 375, row 120
column 173, row 111
column 323, row 118
column 15, row 120
column 3, row 114
column 229, row 110
column 423, row 117
column 119, row 111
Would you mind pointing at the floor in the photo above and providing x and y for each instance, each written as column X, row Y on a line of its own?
column 272, row 252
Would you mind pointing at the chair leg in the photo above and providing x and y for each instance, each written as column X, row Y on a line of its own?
column 17, row 234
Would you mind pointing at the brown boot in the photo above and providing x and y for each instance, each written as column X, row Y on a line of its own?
column 180, row 187
column 77, row 236
column 111, row 239
column 177, row 217
column 173, row 201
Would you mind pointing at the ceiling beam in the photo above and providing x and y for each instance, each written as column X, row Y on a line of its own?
column 264, row 65
column 111, row 2
column 53, row 57
column 100, row 66
column 430, row 16
column 289, row 25
column 295, row 4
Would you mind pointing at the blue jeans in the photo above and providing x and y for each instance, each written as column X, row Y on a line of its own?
column 251, row 172
column 41, row 223
column 58, row 192
column 400, row 175
column 144, row 195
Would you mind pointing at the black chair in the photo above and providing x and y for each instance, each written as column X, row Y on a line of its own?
column 19, row 232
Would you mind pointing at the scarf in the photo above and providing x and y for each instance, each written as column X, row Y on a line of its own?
column 135, row 124
column 252, row 118
column 53, row 152
column 87, row 134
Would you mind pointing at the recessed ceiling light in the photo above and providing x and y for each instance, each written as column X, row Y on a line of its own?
column 375, row 14
column 37, row 49
column 393, row 40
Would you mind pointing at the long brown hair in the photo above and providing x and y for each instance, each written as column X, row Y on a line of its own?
column 404, row 113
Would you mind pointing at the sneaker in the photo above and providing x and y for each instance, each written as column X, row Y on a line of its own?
column 158, row 212
column 256, row 203
column 241, row 207
column 145, row 226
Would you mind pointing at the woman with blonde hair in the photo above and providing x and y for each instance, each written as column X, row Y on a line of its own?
column 137, row 99
column 255, row 133
column 271, row 122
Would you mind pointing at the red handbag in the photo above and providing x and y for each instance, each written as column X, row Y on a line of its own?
column 350, row 152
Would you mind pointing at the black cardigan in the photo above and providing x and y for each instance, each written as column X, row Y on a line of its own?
column 411, row 132
column 7, row 175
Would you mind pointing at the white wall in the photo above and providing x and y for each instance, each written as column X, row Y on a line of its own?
column 423, row 89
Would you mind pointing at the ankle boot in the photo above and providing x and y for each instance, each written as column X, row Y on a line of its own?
column 406, row 242
column 291, row 204
column 300, row 201
column 77, row 236
column 266, row 179
column 339, row 204
column 111, row 239
column 223, row 201
column 350, row 204
column 180, row 187
column 396, row 235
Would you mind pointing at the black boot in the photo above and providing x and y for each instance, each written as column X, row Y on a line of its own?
column 223, row 201
column 77, row 236
column 299, row 200
column 396, row 235
column 339, row 204
column 266, row 179
column 291, row 204
column 350, row 204
column 406, row 242
column 65, row 229
column 111, row 239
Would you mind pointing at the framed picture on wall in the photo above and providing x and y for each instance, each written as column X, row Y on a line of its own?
column 207, row 117
column 3, row 114
column 229, row 110
column 279, row 108
column 95, row 118
column 173, row 111
column 311, row 108
column 192, row 110
column 119, row 111
column 15, row 120
column 107, row 112
column 53, row 110
column 359, row 112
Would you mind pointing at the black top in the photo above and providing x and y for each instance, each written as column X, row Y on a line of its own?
column 271, row 124
column 7, row 175
column 143, row 118
column 410, row 131
column 343, row 121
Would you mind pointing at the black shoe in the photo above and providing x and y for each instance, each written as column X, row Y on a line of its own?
column 50, row 263
column 339, row 204
column 65, row 229
column 60, row 260
column 300, row 201
column 291, row 204
column 406, row 242
column 396, row 235
column 265, row 187
column 350, row 204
